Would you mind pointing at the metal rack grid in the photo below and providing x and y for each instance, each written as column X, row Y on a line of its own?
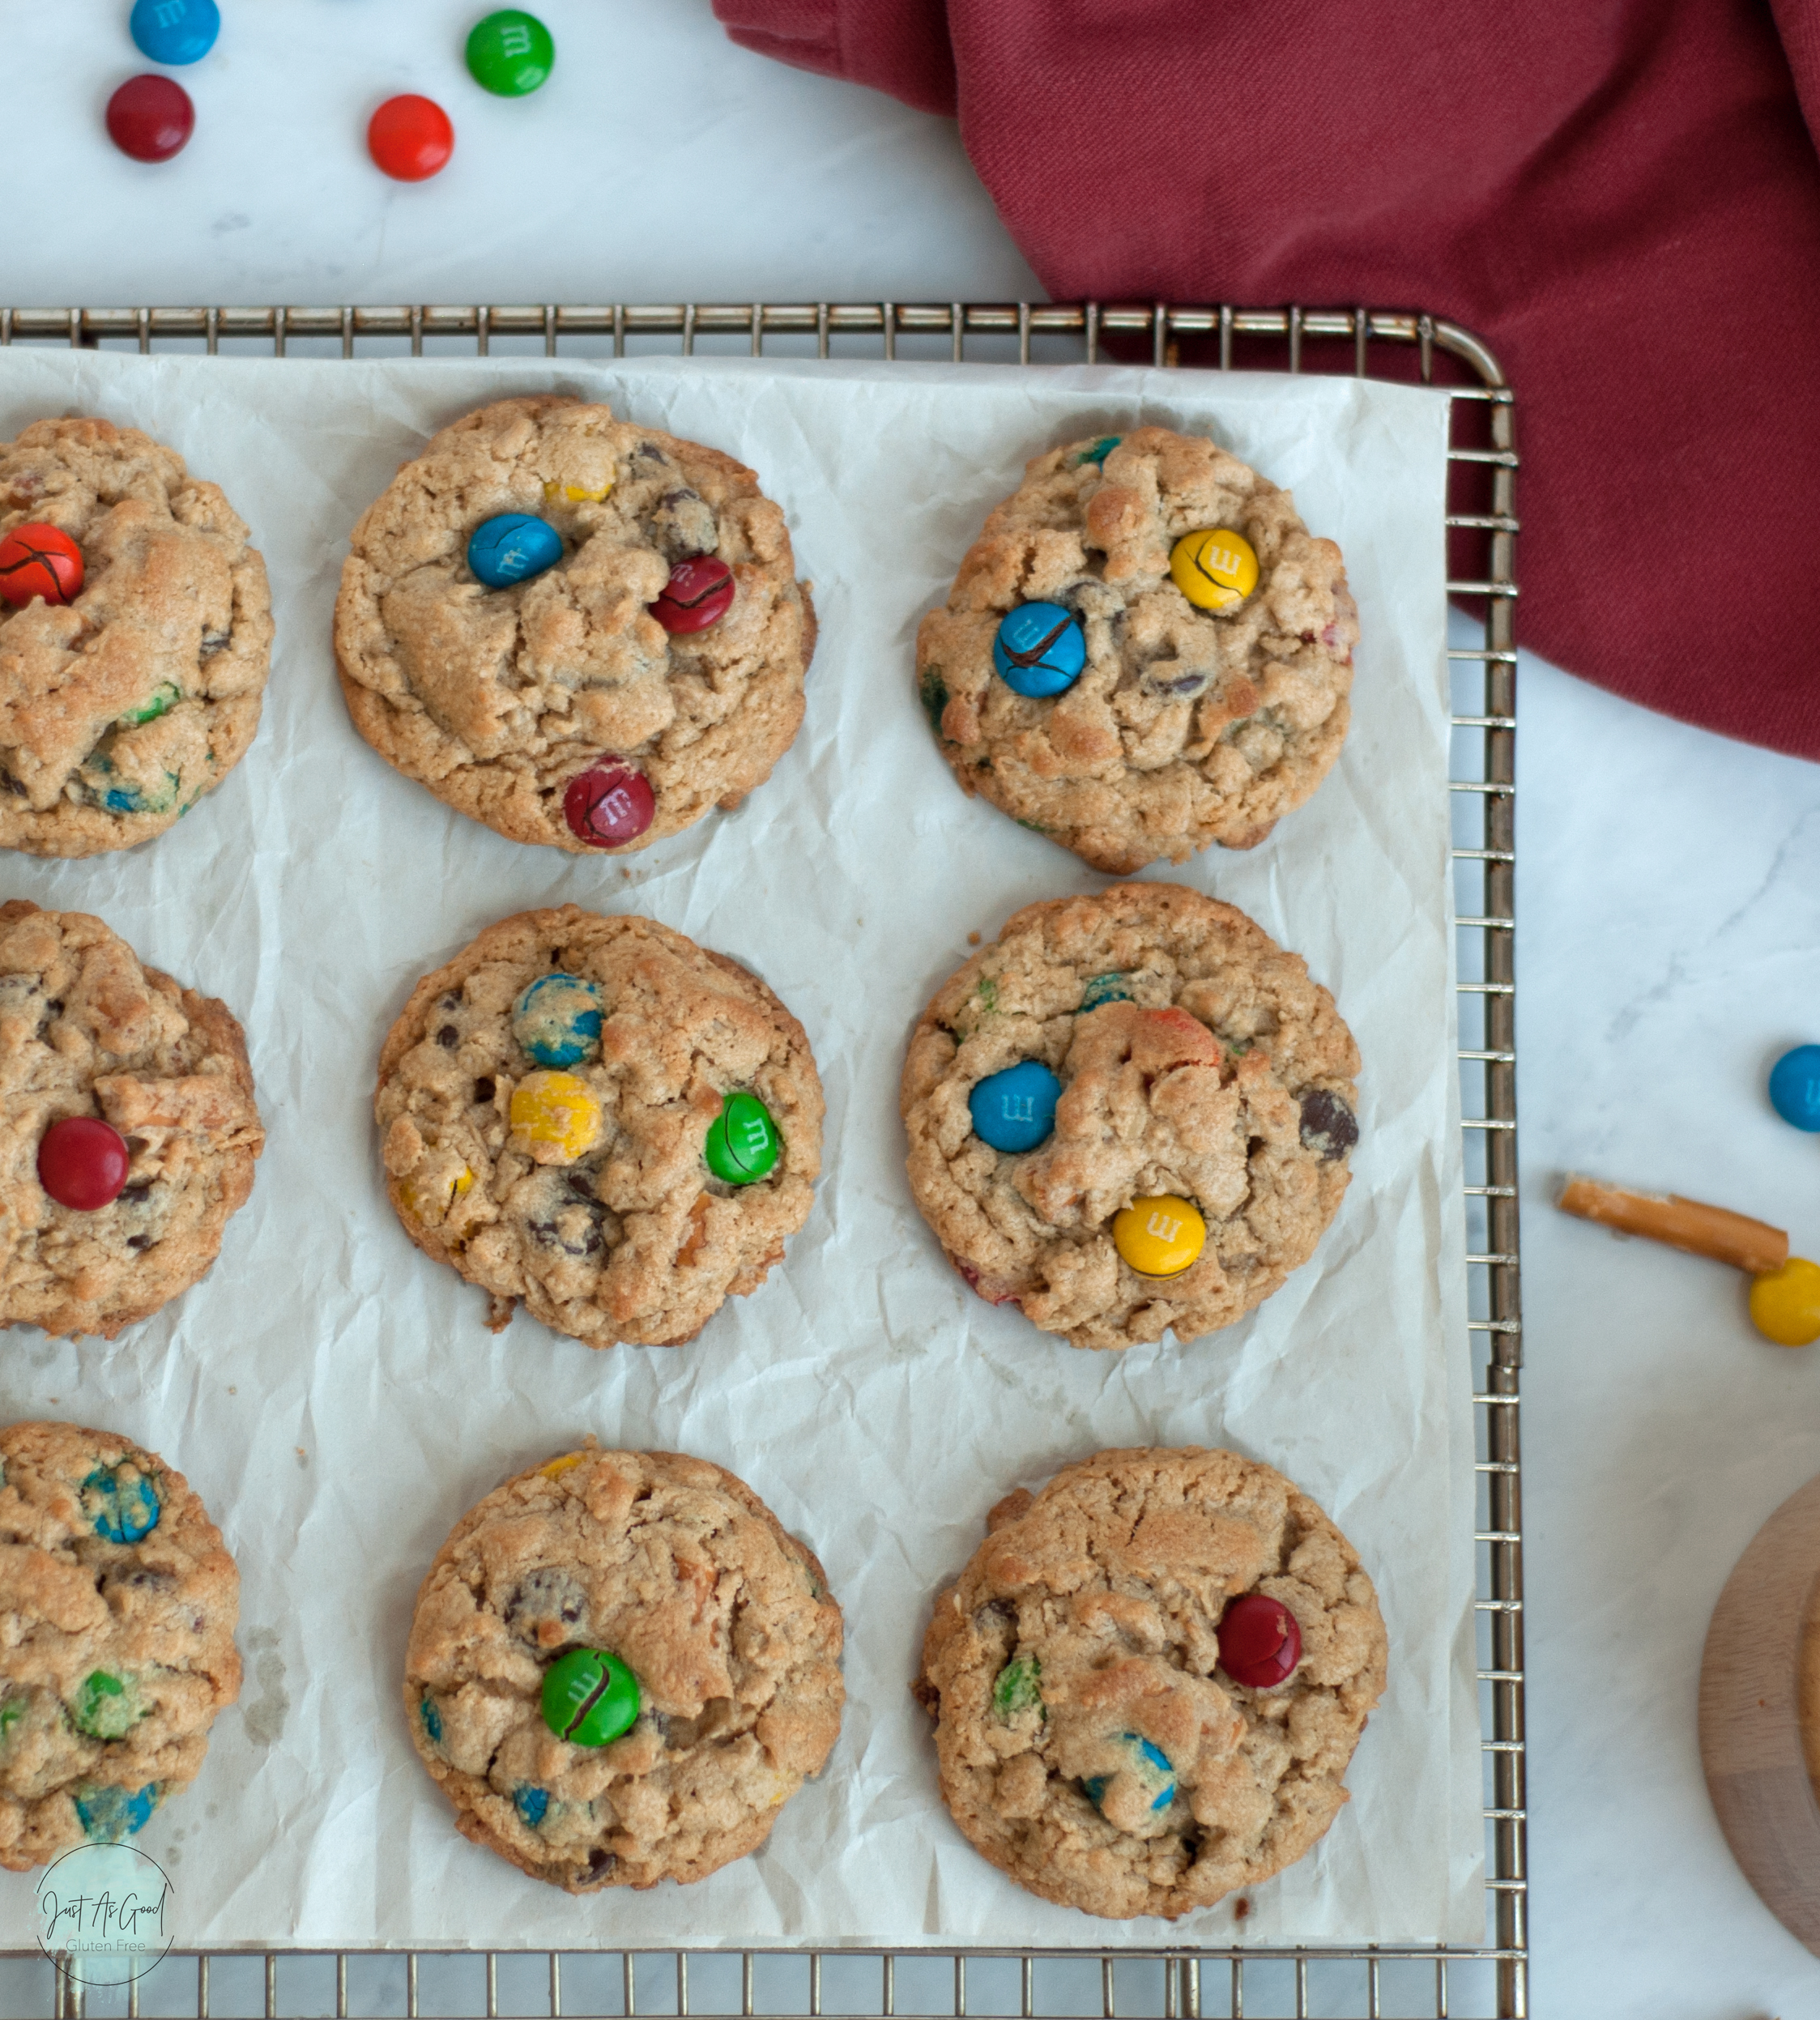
column 1169, row 1983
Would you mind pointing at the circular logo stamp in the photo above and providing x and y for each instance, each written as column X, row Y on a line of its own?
column 105, row 1913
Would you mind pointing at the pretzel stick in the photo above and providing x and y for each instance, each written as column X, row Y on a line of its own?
column 1752, row 1246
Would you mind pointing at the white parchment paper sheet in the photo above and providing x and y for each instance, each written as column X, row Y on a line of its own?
column 333, row 1395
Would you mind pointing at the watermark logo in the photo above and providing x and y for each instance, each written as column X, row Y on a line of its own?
column 105, row 1913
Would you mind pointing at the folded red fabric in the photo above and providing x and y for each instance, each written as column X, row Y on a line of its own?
column 1621, row 197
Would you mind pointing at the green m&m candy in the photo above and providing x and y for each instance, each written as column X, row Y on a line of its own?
column 742, row 1142
column 510, row 52
column 590, row 1698
column 106, row 1708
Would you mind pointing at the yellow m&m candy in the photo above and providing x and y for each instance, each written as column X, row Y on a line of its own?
column 554, row 1117
column 1214, row 568
column 577, row 494
column 558, row 1466
column 425, row 1196
column 1160, row 1236
column 1785, row 1303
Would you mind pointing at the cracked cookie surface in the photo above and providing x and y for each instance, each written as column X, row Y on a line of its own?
column 119, row 710
column 1080, row 1646
column 1197, row 1059
column 1187, row 726
column 117, row 1608
column 621, row 1231
column 680, row 1569
column 85, row 1029
column 496, row 699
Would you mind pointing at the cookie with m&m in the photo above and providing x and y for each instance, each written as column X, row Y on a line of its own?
column 1144, row 651
column 1131, row 1114
column 1149, row 1680
column 620, row 1668
column 583, row 632
column 128, row 1127
column 135, row 638
column 596, row 1117
column 119, row 1602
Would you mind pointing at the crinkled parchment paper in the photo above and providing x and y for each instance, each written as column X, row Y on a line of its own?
column 334, row 1396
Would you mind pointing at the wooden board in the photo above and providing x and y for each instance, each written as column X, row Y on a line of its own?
column 1750, row 1737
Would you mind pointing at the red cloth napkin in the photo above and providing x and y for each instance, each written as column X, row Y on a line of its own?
column 1621, row 197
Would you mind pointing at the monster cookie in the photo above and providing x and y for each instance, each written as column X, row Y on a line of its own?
column 621, row 1667
column 1131, row 1113
column 117, row 1606
column 603, row 1119
column 135, row 637
column 1149, row 1681
column 128, row 1130
column 1144, row 652
column 580, row 632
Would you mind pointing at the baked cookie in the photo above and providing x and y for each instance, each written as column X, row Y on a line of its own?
column 1109, row 674
column 599, row 1117
column 117, row 1607
column 123, row 703
column 1148, row 1680
column 621, row 1667
column 581, row 632
column 128, row 1130
column 1131, row 1113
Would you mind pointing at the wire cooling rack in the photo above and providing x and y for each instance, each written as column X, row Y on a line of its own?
column 1371, row 1982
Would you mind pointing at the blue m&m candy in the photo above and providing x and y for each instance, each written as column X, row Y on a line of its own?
column 557, row 1019
column 1149, row 1766
column 1040, row 649
column 175, row 30
column 1015, row 1111
column 1795, row 1087
column 512, row 549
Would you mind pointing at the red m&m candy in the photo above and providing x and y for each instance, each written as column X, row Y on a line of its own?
column 697, row 595
column 82, row 1163
column 39, row 561
column 1260, row 1644
column 609, row 806
column 411, row 138
column 150, row 118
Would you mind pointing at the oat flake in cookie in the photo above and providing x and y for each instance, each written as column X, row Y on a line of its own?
column 120, row 709
column 598, row 1116
column 678, row 1573
column 1204, row 1112
column 585, row 703
column 1186, row 724
column 1091, row 1742
column 138, row 1070
column 119, row 1603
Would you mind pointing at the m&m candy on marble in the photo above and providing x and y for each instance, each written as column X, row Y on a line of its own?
column 1015, row 1111
column 1039, row 649
column 557, row 1019
column 1214, row 568
column 82, row 1163
column 1160, row 1236
column 38, row 559
column 742, row 1145
column 175, row 31
column 1260, row 1641
column 513, row 547
column 699, row 592
column 609, row 805
column 1785, row 1302
column 1795, row 1087
column 150, row 118
column 590, row 1698
column 510, row 52
column 410, row 138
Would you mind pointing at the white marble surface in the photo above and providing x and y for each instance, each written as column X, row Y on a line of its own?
column 1669, row 884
